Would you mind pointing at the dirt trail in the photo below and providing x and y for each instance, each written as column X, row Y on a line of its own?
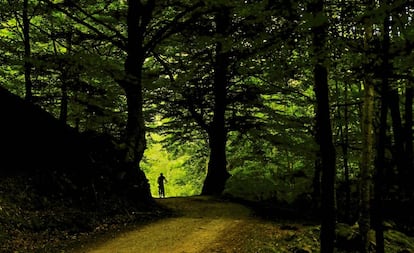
column 208, row 225
column 201, row 227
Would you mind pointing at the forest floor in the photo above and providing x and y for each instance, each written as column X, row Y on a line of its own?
column 179, row 225
column 207, row 225
column 210, row 225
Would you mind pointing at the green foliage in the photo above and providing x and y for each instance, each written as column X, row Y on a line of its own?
column 261, row 171
column 397, row 241
column 184, row 177
column 349, row 239
column 252, row 184
column 80, row 46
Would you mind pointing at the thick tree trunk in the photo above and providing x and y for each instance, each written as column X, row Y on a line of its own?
column 135, row 129
column 27, row 52
column 217, row 174
column 327, row 149
column 132, row 84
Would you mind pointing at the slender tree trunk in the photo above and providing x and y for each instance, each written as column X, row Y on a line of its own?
column 408, row 133
column 389, row 98
column 343, row 133
column 328, row 159
column 66, row 77
column 366, row 166
column 217, row 174
column 398, row 132
column 379, row 175
column 327, row 149
column 63, row 116
column 346, row 164
column 27, row 52
column 345, row 144
column 316, row 182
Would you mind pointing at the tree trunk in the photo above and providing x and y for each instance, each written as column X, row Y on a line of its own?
column 217, row 174
column 328, row 158
column 316, row 182
column 344, row 131
column 408, row 134
column 27, row 52
column 132, row 84
column 380, row 174
column 398, row 132
column 327, row 149
column 67, row 75
column 389, row 98
column 366, row 166
column 63, row 115
column 346, row 164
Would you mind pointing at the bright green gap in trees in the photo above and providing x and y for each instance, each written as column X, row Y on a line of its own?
column 158, row 160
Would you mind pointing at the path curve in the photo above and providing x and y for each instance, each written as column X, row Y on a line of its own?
column 202, row 222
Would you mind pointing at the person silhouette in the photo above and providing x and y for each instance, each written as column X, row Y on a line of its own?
column 161, row 190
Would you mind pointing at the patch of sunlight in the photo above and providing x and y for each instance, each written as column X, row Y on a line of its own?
column 179, row 177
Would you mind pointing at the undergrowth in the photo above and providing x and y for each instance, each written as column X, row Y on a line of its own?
column 33, row 222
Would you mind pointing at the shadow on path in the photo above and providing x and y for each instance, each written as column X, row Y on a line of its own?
column 200, row 223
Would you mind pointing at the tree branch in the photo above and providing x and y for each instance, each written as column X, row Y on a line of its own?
column 119, row 43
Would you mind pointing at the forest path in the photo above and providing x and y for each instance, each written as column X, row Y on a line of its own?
column 204, row 225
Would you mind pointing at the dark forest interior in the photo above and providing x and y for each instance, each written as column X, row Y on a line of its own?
column 301, row 111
